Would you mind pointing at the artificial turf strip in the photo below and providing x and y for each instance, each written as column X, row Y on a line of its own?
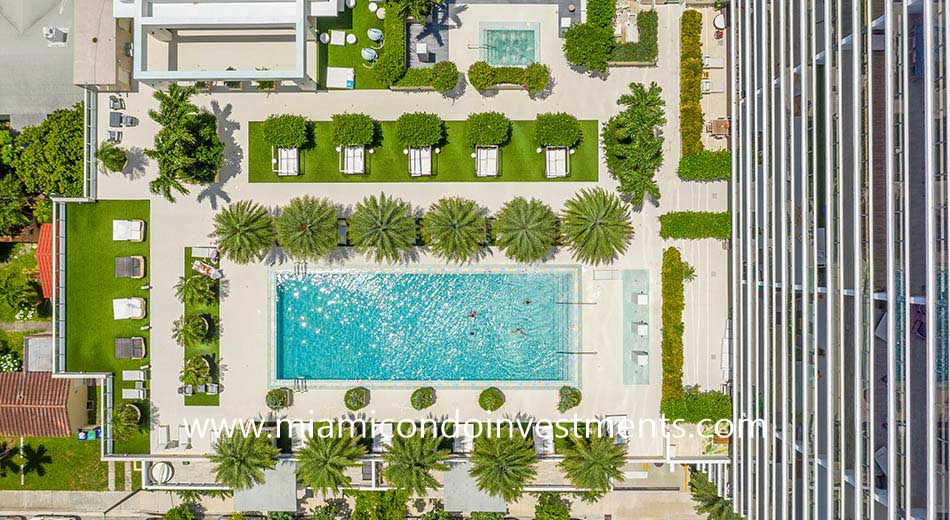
column 356, row 21
column 54, row 464
column 519, row 160
column 90, row 288
column 211, row 346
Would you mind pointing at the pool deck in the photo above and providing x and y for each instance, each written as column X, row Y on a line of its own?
column 244, row 313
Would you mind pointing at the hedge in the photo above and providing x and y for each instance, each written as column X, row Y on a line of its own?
column 285, row 131
column 419, row 130
column 601, row 12
column 644, row 50
column 487, row 129
column 353, row 130
column 557, row 129
column 696, row 224
column 671, row 279
column 443, row 77
column 589, row 46
column 693, row 406
column 691, row 74
column 533, row 78
column 391, row 64
column 706, row 166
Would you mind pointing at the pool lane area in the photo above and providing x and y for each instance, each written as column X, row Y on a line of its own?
column 509, row 44
column 507, row 326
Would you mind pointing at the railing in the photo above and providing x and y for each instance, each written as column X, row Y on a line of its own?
column 90, row 138
column 59, row 287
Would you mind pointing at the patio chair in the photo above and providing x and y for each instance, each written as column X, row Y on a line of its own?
column 116, row 103
column 134, row 375
column 213, row 389
column 486, row 161
column 115, row 136
column 130, row 121
column 464, row 441
column 709, row 87
column 556, row 163
column 382, row 436
column 128, row 230
column 286, row 162
column 420, row 161
column 211, row 272
column 134, row 394
column 352, row 159
column 543, row 435
column 129, row 348
column 128, row 308
column 129, row 266
column 115, row 119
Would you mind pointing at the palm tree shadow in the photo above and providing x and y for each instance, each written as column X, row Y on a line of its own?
column 36, row 458
column 233, row 155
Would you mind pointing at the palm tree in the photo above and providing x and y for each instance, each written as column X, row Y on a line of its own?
column 191, row 329
column 197, row 371
column 525, row 230
column 592, row 462
column 411, row 460
column 632, row 145
column 195, row 289
column 417, row 9
column 503, row 465
column 165, row 184
column 244, row 231
column 14, row 292
column 321, row 463
column 707, row 495
column 597, row 224
column 455, row 229
column 307, row 229
column 383, row 227
column 240, row 459
column 125, row 421
column 173, row 105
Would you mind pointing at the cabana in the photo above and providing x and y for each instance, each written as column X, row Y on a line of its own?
column 129, row 266
column 128, row 230
column 557, row 161
column 128, row 308
column 285, row 161
column 486, row 161
column 420, row 160
column 129, row 348
column 352, row 159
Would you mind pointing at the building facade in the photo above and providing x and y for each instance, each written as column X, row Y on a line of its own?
column 839, row 267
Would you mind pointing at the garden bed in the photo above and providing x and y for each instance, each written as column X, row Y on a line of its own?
column 210, row 347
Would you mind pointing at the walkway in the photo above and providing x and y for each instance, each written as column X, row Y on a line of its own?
column 26, row 326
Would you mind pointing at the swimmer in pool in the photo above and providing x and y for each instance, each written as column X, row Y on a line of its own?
column 472, row 314
column 527, row 302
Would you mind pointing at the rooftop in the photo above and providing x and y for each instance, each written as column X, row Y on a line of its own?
column 33, row 404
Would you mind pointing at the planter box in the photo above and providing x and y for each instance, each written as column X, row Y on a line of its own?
column 412, row 89
column 631, row 64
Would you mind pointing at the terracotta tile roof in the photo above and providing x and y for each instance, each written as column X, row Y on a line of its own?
column 33, row 404
column 44, row 259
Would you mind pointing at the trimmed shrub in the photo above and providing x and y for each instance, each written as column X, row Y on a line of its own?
column 276, row 399
column 696, row 224
column 536, row 77
column 487, row 129
column 557, row 129
column 356, row 398
column 568, row 397
column 481, row 75
column 111, row 156
column 509, row 75
column 533, row 78
column 491, row 399
column 589, row 46
column 706, row 166
column 445, row 76
column 601, row 12
column 181, row 512
column 391, row 64
column 694, row 406
column 285, row 131
column 419, row 130
column 671, row 279
column 691, row 74
column 643, row 50
column 423, row 398
column 353, row 130
column 486, row 515
column 416, row 77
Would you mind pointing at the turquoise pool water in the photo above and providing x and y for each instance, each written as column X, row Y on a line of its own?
column 395, row 326
column 514, row 44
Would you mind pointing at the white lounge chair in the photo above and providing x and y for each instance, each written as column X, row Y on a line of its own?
column 556, row 162
column 464, row 441
column 618, row 426
column 543, row 435
column 211, row 253
column 134, row 393
column 163, row 436
column 286, row 161
column 712, row 88
column 128, row 230
column 382, row 436
column 642, row 329
column 642, row 299
column 713, row 63
column 486, row 161
column 134, row 375
column 420, row 161
column 184, row 437
column 128, row 308
column 352, row 159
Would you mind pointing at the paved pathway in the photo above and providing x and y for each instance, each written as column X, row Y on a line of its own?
column 25, row 326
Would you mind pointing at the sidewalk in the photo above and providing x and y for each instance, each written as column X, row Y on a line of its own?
column 93, row 504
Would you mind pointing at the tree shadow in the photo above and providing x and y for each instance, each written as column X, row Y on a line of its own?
column 232, row 157
column 35, row 459
column 137, row 162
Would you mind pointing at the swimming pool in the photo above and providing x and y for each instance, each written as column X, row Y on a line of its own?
column 509, row 44
column 426, row 326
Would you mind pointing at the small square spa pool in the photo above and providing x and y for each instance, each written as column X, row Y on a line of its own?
column 509, row 44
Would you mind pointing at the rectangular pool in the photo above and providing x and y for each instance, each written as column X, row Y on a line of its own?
column 509, row 44
column 430, row 326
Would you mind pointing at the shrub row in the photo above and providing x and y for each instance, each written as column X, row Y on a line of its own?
column 691, row 74
column 672, row 277
column 706, row 166
column 443, row 77
column 533, row 78
column 696, row 224
column 285, row 131
column 646, row 48
column 391, row 64
column 693, row 406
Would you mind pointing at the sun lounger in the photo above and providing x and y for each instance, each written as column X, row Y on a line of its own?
column 486, row 161
column 420, row 161
column 134, row 393
column 207, row 270
column 163, row 432
column 556, row 162
column 713, row 63
column 129, row 266
column 286, row 161
column 116, row 103
column 184, row 436
column 352, row 159
column 128, row 308
column 642, row 329
column 464, row 441
column 129, row 348
column 382, row 436
column 134, row 375
column 543, row 435
column 712, row 88
column 128, row 230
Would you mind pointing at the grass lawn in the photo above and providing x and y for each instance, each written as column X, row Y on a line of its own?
column 90, row 287
column 54, row 463
column 356, row 21
column 209, row 347
column 519, row 160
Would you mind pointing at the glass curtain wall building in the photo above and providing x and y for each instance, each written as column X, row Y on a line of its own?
column 840, row 258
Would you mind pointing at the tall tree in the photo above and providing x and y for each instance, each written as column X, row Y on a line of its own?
column 592, row 462
column 455, row 229
column 708, row 500
column 633, row 144
column 240, row 460
column 322, row 462
column 411, row 460
column 48, row 157
column 243, row 231
column 307, row 228
column 525, row 230
column 503, row 465
column 597, row 224
column 382, row 227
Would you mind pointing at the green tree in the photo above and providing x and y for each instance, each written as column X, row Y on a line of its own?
column 592, row 462
column 240, row 460
column 16, row 292
column 125, row 421
column 551, row 507
column 709, row 503
column 525, row 230
column 322, row 462
column 382, row 227
column 307, row 228
column 410, row 462
column 48, row 157
column 633, row 144
column 503, row 465
column 243, row 231
column 190, row 330
column 597, row 225
column 111, row 156
column 12, row 205
column 197, row 371
column 455, row 229
column 195, row 289
column 417, row 9
column 589, row 46
column 180, row 512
